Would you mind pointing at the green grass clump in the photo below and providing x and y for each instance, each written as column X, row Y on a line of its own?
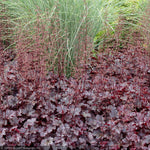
column 63, row 29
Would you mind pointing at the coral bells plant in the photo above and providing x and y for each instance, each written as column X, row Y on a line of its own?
column 109, row 107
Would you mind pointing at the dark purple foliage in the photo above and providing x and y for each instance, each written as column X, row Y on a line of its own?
column 108, row 107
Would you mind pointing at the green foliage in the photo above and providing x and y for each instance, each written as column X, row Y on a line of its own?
column 125, row 13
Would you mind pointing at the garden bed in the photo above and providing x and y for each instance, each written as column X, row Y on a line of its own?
column 109, row 107
column 103, row 104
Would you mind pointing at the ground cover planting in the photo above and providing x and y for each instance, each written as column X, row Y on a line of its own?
column 75, row 74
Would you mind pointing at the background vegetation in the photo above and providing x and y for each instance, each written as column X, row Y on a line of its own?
column 59, row 35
